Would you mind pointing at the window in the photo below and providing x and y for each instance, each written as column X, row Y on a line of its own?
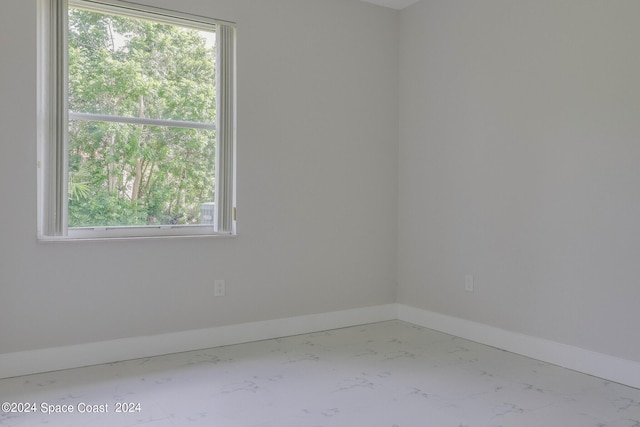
column 136, row 132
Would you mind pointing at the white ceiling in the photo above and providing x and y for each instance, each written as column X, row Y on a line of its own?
column 394, row 4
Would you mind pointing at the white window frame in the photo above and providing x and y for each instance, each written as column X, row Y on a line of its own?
column 53, row 117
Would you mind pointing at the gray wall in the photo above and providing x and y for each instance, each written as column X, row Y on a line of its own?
column 317, row 180
column 519, row 163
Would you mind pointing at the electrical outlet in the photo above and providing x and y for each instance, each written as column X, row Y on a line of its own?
column 219, row 288
column 468, row 283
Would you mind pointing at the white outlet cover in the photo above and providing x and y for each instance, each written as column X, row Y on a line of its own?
column 219, row 288
column 468, row 283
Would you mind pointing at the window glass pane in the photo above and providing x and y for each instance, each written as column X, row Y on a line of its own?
column 124, row 174
column 132, row 67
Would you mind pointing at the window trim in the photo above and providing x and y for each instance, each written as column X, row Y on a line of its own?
column 53, row 119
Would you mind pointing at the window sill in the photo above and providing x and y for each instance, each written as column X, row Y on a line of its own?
column 102, row 236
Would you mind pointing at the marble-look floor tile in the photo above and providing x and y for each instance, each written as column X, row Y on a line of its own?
column 389, row 374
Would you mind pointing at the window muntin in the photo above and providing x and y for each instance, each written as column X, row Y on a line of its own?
column 142, row 143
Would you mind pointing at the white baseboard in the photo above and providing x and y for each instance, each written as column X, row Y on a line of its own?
column 589, row 362
column 52, row 359
column 75, row 356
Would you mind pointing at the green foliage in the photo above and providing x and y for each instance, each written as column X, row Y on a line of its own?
column 124, row 174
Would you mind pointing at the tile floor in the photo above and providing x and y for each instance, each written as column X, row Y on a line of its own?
column 389, row 374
